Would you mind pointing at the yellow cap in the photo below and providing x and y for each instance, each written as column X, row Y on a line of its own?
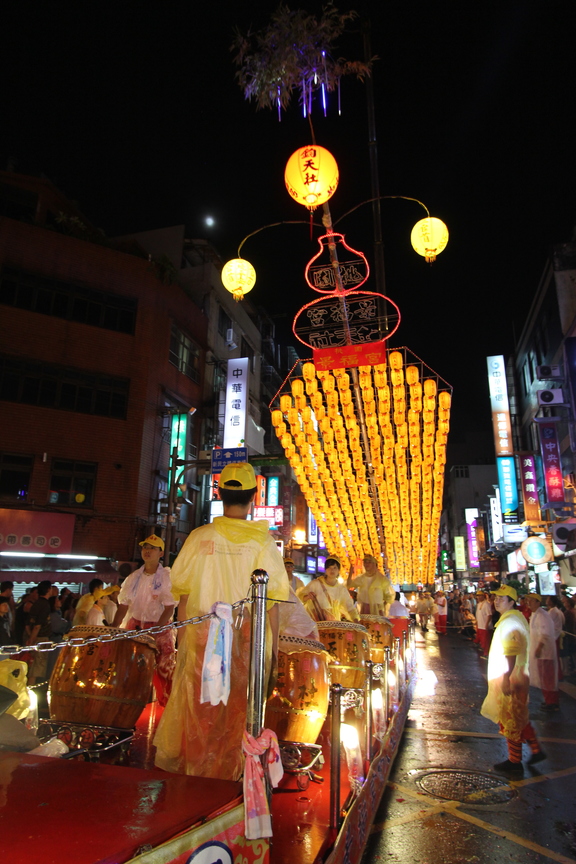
column 506, row 591
column 237, row 476
column 154, row 540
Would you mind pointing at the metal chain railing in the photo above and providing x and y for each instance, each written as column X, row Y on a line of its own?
column 79, row 642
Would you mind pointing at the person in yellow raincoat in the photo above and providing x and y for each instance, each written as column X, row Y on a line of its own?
column 508, row 683
column 327, row 599
column 214, row 566
column 375, row 591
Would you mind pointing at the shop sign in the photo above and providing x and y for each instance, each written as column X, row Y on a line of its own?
column 459, row 553
column 236, row 406
column 500, row 406
column 551, row 463
column 471, row 516
column 529, row 485
column 274, row 515
column 36, row 532
column 508, row 489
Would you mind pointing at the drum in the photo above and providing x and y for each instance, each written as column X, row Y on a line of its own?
column 379, row 636
column 298, row 705
column 105, row 683
column 400, row 626
column 347, row 644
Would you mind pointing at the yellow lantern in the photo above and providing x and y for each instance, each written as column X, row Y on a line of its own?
column 239, row 277
column 429, row 237
column 309, row 371
column 311, row 176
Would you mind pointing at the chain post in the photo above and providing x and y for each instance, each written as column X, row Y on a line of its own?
column 255, row 714
column 336, row 691
column 370, row 666
column 386, row 684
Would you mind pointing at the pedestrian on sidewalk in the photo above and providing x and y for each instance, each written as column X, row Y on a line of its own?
column 506, row 702
column 424, row 610
column 543, row 656
column 441, row 615
column 483, row 622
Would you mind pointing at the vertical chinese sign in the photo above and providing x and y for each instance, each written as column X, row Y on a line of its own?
column 529, row 487
column 500, row 406
column 178, row 436
column 551, row 463
column 508, row 489
column 471, row 516
column 459, row 553
column 236, row 403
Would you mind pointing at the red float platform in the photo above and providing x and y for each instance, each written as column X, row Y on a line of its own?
column 55, row 810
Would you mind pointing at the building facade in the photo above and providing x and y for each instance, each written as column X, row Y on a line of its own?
column 98, row 352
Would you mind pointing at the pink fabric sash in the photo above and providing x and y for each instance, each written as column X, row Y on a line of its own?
column 257, row 814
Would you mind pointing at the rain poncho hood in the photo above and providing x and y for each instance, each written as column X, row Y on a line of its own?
column 241, row 531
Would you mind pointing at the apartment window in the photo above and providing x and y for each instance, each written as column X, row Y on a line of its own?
column 461, row 471
column 72, row 483
column 526, row 378
column 48, row 386
column 65, row 300
column 184, row 354
column 246, row 350
column 533, row 365
column 224, row 322
column 15, row 473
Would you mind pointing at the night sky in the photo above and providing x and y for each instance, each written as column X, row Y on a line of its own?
column 133, row 111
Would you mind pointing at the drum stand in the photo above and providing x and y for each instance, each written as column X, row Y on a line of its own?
column 299, row 758
column 84, row 739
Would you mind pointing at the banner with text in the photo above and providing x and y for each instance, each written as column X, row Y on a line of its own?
column 500, row 406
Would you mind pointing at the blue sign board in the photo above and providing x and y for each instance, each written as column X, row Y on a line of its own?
column 223, row 457
column 272, row 491
column 508, row 488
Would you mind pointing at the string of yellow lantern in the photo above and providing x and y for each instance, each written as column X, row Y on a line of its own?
column 407, row 414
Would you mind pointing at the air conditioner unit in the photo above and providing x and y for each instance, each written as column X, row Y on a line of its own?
column 230, row 334
column 562, row 530
column 545, row 373
column 550, row 397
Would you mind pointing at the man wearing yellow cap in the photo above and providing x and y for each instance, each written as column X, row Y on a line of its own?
column 95, row 616
column 147, row 597
column 508, row 684
column 214, row 567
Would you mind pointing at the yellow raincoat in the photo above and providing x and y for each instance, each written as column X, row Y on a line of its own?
column 215, row 565
column 511, row 639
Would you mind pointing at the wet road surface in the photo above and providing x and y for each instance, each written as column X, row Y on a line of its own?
column 444, row 803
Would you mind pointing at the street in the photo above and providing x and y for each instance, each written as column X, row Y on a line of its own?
column 444, row 802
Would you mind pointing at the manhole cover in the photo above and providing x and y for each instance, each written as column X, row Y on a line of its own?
column 468, row 787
